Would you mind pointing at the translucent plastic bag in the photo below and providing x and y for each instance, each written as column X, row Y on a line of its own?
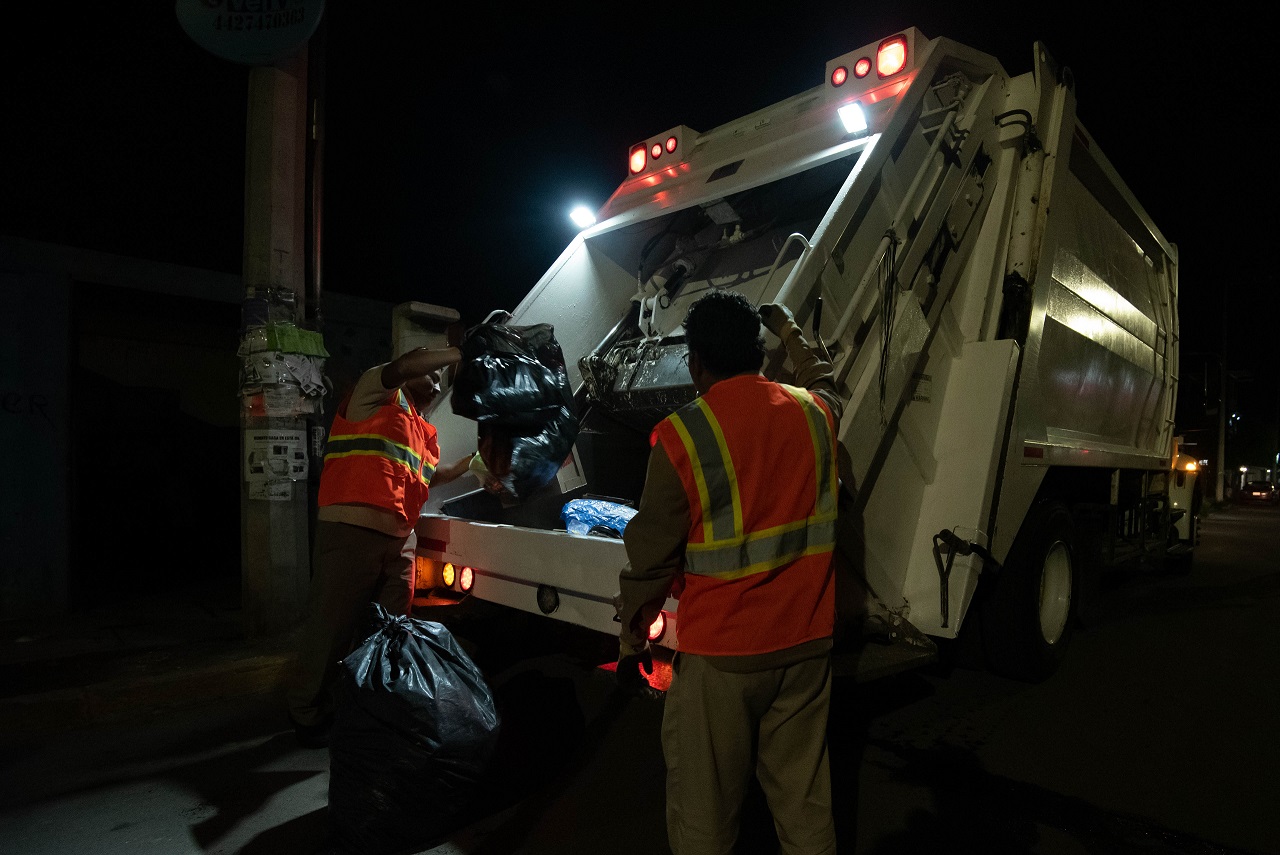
column 582, row 515
column 415, row 726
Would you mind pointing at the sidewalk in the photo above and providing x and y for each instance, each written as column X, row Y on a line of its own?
column 132, row 658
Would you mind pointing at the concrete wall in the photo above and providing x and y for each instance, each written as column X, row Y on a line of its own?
column 119, row 416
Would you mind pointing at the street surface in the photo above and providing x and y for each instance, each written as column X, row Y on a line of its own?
column 1156, row 736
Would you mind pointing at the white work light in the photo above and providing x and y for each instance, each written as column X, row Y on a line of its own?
column 854, row 118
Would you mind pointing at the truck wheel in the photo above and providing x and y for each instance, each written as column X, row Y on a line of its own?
column 1027, row 617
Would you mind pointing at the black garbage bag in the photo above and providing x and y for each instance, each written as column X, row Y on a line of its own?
column 511, row 375
column 513, row 383
column 524, row 462
column 415, row 726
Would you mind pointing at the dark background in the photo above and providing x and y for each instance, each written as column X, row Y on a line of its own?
column 456, row 143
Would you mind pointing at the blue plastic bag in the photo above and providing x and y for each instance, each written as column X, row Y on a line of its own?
column 581, row 515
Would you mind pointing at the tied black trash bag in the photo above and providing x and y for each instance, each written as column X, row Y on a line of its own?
column 512, row 382
column 511, row 376
column 414, row 728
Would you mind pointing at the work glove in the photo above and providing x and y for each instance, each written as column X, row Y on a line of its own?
column 628, row 675
column 777, row 319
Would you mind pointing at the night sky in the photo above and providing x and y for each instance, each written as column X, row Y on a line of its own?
column 454, row 147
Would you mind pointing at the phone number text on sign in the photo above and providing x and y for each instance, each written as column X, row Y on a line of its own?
column 247, row 23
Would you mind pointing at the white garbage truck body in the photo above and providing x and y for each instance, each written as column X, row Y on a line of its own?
column 1001, row 315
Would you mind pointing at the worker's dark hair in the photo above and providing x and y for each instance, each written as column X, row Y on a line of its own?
column 723, row 328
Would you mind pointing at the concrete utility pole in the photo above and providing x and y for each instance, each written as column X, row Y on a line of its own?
column 280, row 374
column 275, row 557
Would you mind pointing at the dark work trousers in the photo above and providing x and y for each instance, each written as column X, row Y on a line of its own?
column 352, row 567
column 719, row 728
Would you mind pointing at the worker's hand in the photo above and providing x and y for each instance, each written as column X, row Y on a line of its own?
column 777, row 319
column 629, row 678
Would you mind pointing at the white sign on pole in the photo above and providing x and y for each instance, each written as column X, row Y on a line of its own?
column 250, row 32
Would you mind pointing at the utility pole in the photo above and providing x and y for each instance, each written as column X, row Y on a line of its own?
column 281, row 369
column 274, row 508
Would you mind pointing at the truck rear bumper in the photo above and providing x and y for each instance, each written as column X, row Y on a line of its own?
column 568, row 577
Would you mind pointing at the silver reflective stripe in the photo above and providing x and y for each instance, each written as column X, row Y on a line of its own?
column 712, row 468
column 762, row 551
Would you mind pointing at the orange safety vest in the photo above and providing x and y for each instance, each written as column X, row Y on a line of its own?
column 385, row 461
column 758, row 463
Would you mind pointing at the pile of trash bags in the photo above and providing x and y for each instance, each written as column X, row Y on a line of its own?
column 513, row 383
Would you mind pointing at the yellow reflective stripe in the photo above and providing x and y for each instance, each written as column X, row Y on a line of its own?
column 760, row 552
column 377, row 445
column 820, row 434
column 713, row 470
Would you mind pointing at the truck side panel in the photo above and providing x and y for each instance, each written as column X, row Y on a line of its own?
column 1098, row 382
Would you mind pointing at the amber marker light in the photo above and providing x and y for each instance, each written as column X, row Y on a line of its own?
column 447, row 575
column 424, row 570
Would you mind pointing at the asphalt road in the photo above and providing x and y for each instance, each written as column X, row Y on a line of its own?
column 1156, row 736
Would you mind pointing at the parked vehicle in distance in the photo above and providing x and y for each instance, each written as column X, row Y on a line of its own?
column 1259, row 491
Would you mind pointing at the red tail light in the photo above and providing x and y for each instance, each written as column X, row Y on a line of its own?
column 636, row 160
column 891, row 56
column 658, row 627
column 466, row 578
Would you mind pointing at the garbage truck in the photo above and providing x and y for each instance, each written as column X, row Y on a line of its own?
column 1001, row 314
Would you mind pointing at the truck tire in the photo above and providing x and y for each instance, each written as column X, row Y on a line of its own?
column 1028, row 616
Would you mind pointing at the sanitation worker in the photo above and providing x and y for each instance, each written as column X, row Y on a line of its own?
column 381, row 458
column 737, row 519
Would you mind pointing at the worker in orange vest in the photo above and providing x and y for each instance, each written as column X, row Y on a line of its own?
column 737, row 520
column 381, row 458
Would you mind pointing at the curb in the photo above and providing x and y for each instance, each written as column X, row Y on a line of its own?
column 180, row 686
